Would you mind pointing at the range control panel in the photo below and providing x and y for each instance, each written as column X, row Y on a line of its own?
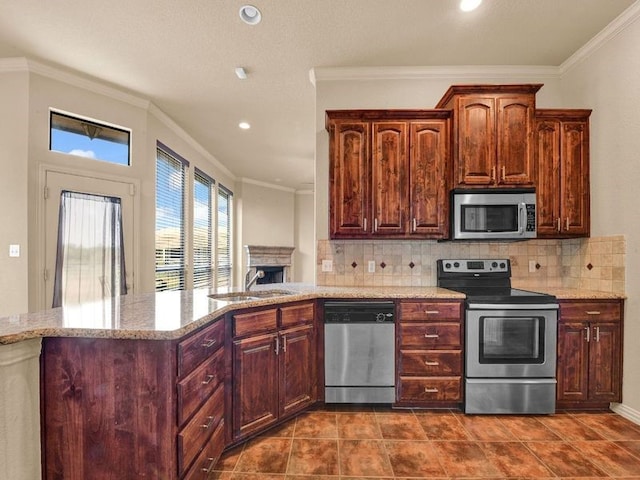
column 476, row 266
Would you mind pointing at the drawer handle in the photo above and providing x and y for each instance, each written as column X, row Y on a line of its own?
column 208, row 380
column 431, row 335
column 431, row 364
column 430, row 390
column 212, row 463
column 210, row 422
column 593, row 312
column 209, row 343
column 432, row 312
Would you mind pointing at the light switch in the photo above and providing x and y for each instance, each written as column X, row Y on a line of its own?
column 372, row 266
column 14, row 250
column 532, row 266
column 327, row 265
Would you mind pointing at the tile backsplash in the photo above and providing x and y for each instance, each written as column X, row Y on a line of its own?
column 593, row 263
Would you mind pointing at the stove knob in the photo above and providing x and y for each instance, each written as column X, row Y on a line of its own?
column 380, row 317
column 447, row 265
column 503, row 265
column 456, row 264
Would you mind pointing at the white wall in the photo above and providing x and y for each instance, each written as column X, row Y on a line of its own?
column 607, row 81
column 400, row 93
column 305, row 240
column 265, row 215
column 26, row 95
column 14, row 96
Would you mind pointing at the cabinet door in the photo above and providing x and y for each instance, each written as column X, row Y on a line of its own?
column 476, row 159
column 574, row 170
column 297, row 369
column 389, row 168
column 428, row 161
column 604, row 362
column 255, row 386
column 547, row 168
column 514, row 127
column 573, row 361
column 349, row 176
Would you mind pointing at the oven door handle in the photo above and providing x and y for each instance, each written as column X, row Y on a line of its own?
column 513, row 306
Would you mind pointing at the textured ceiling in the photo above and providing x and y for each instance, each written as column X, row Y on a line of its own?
column 181, row 55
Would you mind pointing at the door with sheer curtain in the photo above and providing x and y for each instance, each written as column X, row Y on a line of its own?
column 91, row 243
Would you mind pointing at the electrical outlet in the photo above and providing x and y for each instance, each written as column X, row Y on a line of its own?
column 532, row 266
column 372, row 266
column 14, row 250
column 327, row 265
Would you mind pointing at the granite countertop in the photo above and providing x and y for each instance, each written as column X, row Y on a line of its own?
column 173, row 314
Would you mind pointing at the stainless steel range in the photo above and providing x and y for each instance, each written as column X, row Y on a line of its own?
column 510, row 339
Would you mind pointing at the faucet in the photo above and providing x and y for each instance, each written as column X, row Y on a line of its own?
column 248, row 282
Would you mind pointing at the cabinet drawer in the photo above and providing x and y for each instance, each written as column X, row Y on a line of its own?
column 429, row 363
column 195, row 349
column 255, row 322
column 429, row 389
column 430, row 335
column 296, row 314
column 208, row 457
column 430, row 311
column 590, row 311
column 199, row 384
column 194, row 435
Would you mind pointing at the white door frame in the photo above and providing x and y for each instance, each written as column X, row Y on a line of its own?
column 133, row 264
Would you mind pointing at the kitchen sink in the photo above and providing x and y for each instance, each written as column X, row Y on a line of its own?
column 248, row 295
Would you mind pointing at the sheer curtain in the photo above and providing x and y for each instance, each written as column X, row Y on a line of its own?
column 90, row 256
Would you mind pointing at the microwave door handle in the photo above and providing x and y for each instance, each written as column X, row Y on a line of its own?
column 522, row 217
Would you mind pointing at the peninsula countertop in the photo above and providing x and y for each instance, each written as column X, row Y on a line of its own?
column 173, row 314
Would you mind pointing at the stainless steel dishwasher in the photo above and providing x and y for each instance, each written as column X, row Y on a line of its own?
column 359, row 352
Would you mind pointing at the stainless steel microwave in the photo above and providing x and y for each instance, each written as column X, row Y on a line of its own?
column 493, row 214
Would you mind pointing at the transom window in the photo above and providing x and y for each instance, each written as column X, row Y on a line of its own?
column 89, row 138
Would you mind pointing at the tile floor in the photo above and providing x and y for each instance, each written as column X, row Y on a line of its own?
column 356, row 443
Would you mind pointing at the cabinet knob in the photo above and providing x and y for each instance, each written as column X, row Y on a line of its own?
column 208, row 379
column 431, row 364
column 431, row 335
column 430, row 390
column 593, row 312
column 209, row 343
column 597, row 334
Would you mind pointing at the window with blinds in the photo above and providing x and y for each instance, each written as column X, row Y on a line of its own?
column 224, row 251
column 170, row 220
column 203, row 187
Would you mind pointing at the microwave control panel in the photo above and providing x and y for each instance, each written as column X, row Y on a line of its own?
column 531, row 217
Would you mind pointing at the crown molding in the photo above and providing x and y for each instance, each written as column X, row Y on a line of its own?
column 13, row 64
column 325, row 74
column 182, row 133
column 259, row 183
column 305, row 192
column 617, row 26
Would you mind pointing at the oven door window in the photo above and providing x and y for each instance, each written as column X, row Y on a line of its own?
column 489, row 218
column 512, row 340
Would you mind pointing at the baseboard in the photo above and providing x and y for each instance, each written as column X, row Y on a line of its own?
column 626, row 412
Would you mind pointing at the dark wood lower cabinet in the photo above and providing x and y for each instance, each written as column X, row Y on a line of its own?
column 273, row 373
column 108, row 409
column 589, row 354
column 133, row 409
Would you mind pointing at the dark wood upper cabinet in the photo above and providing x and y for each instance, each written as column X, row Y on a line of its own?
column 562, row 173
column 388, row 173
column 492, row 133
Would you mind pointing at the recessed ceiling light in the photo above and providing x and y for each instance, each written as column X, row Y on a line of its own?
column 250, row 14
column 244, row 125
column 469, row 5
column 241, row 73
